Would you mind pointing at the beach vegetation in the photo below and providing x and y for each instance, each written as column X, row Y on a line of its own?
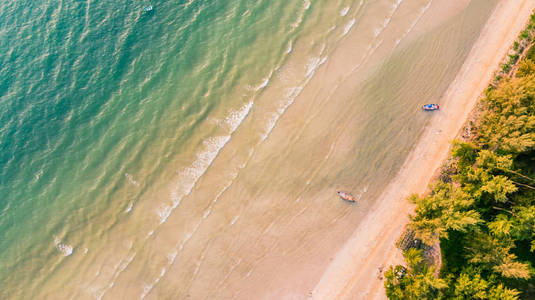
column 483, row 216
column 416, row 281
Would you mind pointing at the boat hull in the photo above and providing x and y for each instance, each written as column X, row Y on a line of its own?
column 429, row 107
column 346, row 196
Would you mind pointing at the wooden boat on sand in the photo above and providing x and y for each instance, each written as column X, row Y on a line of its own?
column 346, row 196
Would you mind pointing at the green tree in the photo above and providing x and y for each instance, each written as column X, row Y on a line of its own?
column 500, row 292
column 499, row 187
column 519, row 225
column 448, row 208
column 470, row 285
column 525, row 68
column 417, row 281
column 494, row 254
column 465, row 152
column 508, row 123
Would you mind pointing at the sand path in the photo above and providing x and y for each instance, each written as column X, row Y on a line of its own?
column 353, row 272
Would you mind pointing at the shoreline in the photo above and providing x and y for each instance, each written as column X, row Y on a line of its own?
column 353, row 273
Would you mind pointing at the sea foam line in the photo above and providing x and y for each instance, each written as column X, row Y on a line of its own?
column 289, row 49
column 348, row 27
column 189, row 176
column 147, row 287
column 413, row 24
column 65, row 249
column 388, row 19
column 378, row 31
column 208, row 211
column 344, row 11
column 306, row 6
column 291, row 93
column 289, row 98
column 119, row 268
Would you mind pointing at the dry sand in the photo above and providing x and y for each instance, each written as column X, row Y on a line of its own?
column 353, row 273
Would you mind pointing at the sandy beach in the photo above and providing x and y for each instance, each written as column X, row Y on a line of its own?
column 353, row 273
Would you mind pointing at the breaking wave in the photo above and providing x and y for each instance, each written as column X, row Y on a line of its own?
column 348, row 27
column 64, row 249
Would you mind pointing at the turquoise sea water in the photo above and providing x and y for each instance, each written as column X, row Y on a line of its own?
column 137, row 147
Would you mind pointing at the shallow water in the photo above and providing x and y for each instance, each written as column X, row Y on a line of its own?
column 196, row 150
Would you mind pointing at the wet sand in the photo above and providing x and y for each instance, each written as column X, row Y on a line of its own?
column 352, row 274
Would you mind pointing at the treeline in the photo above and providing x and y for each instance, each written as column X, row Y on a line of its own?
column 482, row 210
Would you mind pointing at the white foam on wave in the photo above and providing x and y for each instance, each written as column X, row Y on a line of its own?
column 323, row 47
column 263, row 84
column 189, row 176
column 306, row 6
column 422, row 12
column 147, row 287
column 5, row 208
column 270, row 125
column 344, row 11
column 233, row 221
column 396, row 6
column 65, row 249
column 163, row 213
column 377, row 45
column 348, row 26
column 291, row 93
column 413, row 24
column 197, row 267
column 289, row 98
column 188, row 236
column 187, row 4
column 235, row 118
column 129, row 207
column 119, row 268
column 297, row 22
column 38, row 174
column 131, row 179
column 289, row 49
column 388, row 19
column 313, row 64
column 208, row 211
column 377, row 31
column 171, row 257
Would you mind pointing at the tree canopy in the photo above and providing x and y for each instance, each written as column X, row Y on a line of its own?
column 483, row 216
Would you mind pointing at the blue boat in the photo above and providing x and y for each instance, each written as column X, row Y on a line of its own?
column 431, row 107
column 148, row 8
